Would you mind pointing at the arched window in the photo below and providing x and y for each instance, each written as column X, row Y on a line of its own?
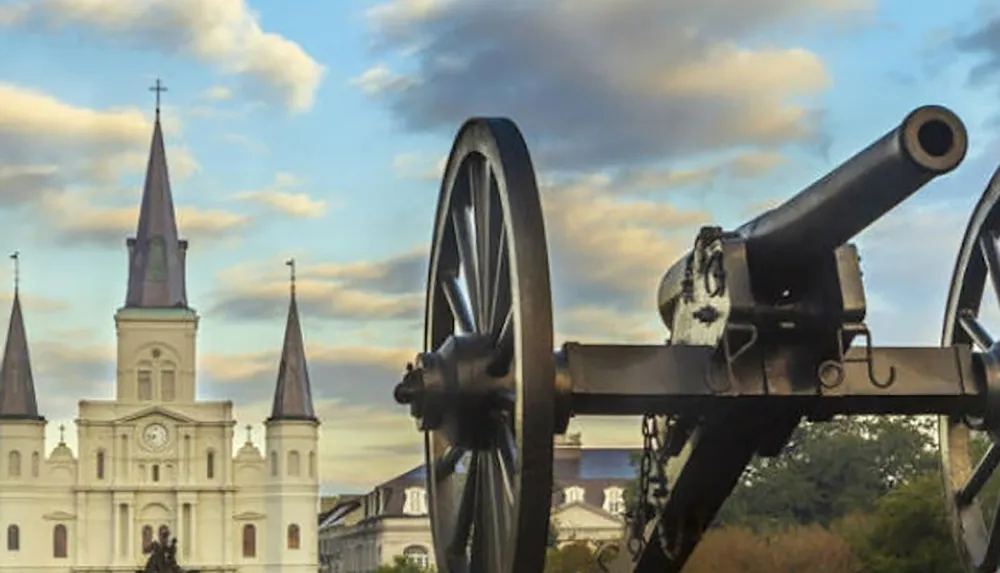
column 167, row 384
column 210, row 464
column 100, row 464
column 13, row 538
column 293, row 536
column 249, row 540
column 415, row 502
column 59, row 541
column 312, row 464
column 14, row 464
column 35, row 463
column 147, row 538
column 156, row 472
column 293, row 463
column 144, row 379
column 418, row 556
column 274, row 463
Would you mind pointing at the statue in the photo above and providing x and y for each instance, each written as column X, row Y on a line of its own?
column 163, row 555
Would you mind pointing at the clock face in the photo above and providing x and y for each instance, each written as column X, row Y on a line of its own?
column 155, row 436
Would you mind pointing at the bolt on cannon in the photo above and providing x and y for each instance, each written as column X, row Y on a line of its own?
column 767, row 328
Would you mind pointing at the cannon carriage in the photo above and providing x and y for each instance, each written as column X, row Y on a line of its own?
column 766, row 328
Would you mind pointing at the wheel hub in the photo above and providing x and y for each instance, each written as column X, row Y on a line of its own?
column 454, row 389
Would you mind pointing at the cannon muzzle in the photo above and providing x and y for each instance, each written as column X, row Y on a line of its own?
column 931, row 141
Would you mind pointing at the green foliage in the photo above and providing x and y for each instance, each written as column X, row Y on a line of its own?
column 576, row 557
column 401, row 565
column 847, row 496
column 907, row 532
column 831, row 469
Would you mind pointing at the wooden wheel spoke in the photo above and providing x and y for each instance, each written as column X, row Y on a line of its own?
column 975, row 329
column 500, row 307
column 505, row 340
column 466, row 512
column 461, row 222
column 459, row 305
column 991, row 558
column 980, row 475
column 444, row 466
column 507, row 448
column 991, row 255
column 494, row 511
column 489, row 224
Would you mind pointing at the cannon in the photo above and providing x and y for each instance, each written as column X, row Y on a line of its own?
column 766, row 329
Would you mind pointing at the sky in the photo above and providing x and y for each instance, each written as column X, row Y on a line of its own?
column 318, row 130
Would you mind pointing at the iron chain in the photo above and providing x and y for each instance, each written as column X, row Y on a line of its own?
column 649, row 505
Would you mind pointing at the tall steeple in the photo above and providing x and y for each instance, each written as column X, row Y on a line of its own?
column 17, row 386
column 292, row 394
column 156, row 253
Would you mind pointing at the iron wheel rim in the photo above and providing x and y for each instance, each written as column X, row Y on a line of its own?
column 970, row 530
column 489, row 165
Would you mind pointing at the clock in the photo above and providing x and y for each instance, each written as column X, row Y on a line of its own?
column 155, row 436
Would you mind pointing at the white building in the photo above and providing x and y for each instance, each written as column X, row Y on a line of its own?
column 363, row 532
column 155, row 456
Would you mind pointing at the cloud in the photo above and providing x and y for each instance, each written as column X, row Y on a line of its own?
column 279, row 198
column 417, row 166
column 242, row 140
column 36, row 304
column 383, row 290
column 56, row 157
column 224, row 33
column 218, row 93
column 610, row 251
column 984, row 41
column 75, row 220
column 609, row 83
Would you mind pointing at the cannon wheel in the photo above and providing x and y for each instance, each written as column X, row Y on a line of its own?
column 964, row 472
column 489, row 275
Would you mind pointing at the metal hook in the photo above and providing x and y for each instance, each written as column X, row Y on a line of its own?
column 869, row 358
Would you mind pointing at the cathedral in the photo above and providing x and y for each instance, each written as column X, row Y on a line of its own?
column 155, row 457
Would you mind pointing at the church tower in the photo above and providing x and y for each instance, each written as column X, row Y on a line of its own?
column 156, row 327
column 292, row 439
column 22, row 429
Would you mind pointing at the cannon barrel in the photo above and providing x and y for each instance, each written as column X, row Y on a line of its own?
column 930, row 141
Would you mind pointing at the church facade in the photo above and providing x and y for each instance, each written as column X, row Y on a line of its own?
column 155, row 456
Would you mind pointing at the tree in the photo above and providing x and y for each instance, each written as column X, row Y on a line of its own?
column 575, row 557
column 401, row 564
column 907, row 532
column 831, row 469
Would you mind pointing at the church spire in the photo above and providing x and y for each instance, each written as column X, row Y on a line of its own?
column 292, row 394
column 17, row 386
column 156, row 254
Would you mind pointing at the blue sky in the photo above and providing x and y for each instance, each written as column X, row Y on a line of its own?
column 316, row 130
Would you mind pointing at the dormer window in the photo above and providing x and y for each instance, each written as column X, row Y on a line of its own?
column 573, row 494
column 614, row 500
column 415, row 502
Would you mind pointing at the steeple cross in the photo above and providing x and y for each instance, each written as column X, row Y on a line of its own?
column 16, row 257
column 249, row 434
column 291, row 266
column 158, row 88
column 62, row 434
